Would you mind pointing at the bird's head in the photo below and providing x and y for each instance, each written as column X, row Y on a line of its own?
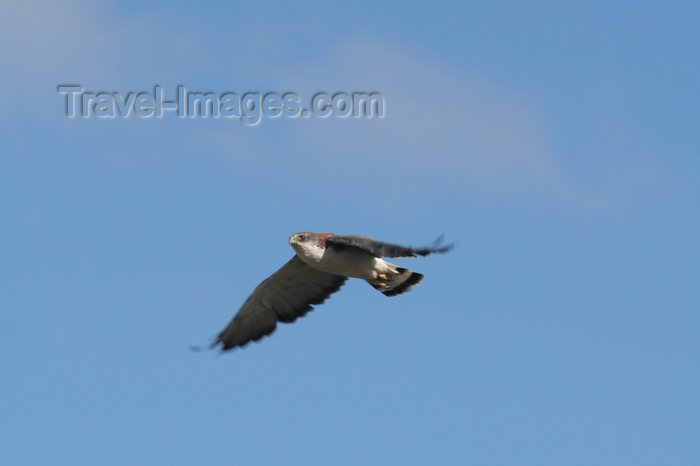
column 305, row 243
column 303, row 237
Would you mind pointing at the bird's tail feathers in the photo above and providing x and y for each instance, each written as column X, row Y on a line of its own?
column 392, row 284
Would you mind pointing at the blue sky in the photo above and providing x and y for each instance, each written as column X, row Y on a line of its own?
column 556, row 144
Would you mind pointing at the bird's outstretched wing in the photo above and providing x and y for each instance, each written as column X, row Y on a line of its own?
column 380, row 249
column 287, row 294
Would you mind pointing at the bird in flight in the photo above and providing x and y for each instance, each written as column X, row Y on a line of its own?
column 322, row 263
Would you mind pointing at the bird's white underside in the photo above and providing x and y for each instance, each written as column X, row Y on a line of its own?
column 348, row 262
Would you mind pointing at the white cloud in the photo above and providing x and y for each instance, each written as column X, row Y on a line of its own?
column 442, row 122
column 47, row 43
column 439, row 119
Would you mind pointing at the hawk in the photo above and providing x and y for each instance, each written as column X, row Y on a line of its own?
column 322, row 263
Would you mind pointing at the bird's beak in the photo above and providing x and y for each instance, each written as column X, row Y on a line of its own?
column 292, row 239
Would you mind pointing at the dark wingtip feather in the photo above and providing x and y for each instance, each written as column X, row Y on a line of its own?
column 210, row 347
column 435, row 247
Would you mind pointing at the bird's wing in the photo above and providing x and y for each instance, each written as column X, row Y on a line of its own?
column 380, row 249
column 284, row 296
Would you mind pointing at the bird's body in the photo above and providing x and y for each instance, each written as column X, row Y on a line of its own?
column 352, row 262
column 322, row 263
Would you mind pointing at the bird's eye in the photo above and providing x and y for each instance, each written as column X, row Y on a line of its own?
column 302, row 237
